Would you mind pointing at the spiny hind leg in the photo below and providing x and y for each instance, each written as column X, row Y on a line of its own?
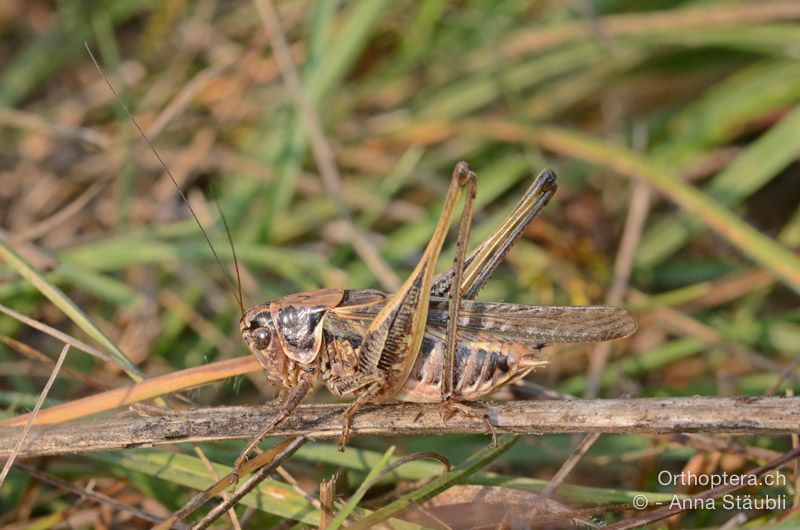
column 450, row 405
column 392, row 341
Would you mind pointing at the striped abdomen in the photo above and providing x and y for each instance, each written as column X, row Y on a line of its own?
column 482, row 366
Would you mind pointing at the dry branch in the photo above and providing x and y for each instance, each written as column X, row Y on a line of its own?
column 743, row 415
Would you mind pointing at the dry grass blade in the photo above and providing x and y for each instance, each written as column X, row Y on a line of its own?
column 264, row 463
column 24, row 434
column 185, row 97
column 623, row 266
column 18, row 118
column 527, row 42
column 43, row 362
column 60, row 335
column 274, row 458
column 148, row 389
column 93, row 495
column 62, row 216
column 762, row 249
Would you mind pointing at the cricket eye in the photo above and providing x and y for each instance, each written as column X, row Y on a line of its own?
column 262, row 337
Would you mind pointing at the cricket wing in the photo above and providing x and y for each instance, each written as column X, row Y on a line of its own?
column 538, row 324
column 504, row 321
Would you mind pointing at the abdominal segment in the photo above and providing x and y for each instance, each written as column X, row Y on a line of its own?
column 481, row 367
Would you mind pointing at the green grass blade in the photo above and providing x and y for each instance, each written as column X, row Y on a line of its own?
column 753, row 168
column 62, row 301
column 760, row 248
column 457, row 475
column 271, row 496
column 348, row 508
column 656, row 358
column 362, row 460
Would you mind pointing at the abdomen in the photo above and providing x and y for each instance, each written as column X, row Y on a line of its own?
column 481, row 367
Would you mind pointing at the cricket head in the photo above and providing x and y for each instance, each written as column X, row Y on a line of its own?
column 258, row 331
column 286, row 334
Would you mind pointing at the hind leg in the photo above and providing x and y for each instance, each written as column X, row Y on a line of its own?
column 452, row 407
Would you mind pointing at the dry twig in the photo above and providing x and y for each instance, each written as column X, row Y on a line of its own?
column 742, row 415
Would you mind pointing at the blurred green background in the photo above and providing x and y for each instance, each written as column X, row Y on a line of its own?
column 673, row 127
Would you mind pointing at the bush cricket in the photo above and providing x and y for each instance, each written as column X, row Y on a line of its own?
column 429, row 341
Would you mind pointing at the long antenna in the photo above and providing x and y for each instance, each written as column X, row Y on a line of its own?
column 227, row 276
column 230, row 242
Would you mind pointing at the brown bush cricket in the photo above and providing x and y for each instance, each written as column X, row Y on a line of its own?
column 428, row 342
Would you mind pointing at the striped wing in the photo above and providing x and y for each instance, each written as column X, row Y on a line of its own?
column 538, row 324
column 504, row 321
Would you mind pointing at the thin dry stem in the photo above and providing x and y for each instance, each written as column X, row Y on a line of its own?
column 733, row 415
column 287, row 450
column 567, row 467
column 327, row 493
column 266, row 460
column 210, row 467
column 632, row 233
column 321, row 149
column 93, row 495
column 59, row 335
column 26, row 430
